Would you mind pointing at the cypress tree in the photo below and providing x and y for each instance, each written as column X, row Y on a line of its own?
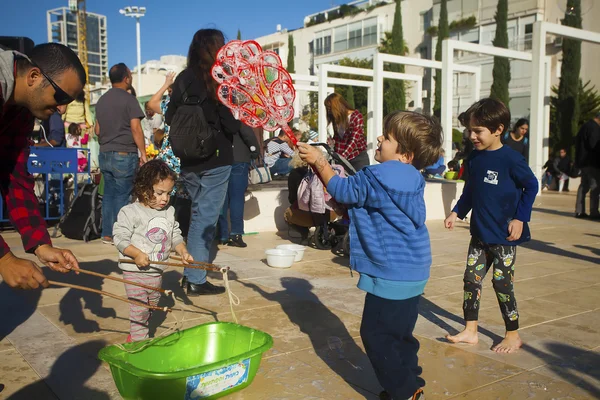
column 239, row 35
column 395, row 96
column 350, row 96
column 291, row 67
column 443, row 33
column 567, row 111
column 501, row 71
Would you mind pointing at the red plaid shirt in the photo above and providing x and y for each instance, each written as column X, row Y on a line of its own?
column 16, row 184
column 353, row 143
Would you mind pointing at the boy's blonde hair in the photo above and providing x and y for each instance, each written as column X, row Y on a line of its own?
column 416, row 134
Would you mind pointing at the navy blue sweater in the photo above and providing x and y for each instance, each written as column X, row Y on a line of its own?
column 501, row 188
column 388, row 236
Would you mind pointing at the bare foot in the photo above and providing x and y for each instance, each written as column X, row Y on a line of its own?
column 510, row 344
column 466, row 336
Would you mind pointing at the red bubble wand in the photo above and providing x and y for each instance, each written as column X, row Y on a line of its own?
column 254, row 85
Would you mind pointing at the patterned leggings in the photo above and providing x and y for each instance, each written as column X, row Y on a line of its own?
column 139, row 316
column 480, row 259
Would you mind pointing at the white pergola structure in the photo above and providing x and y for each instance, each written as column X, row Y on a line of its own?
column 539, row 127
column 372, row 132
column 380, row 74
column 448, row 68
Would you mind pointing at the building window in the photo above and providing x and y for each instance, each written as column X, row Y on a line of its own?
column 323, row 43
column 341, row 38
column 370, row 32
column 425, row 21
column 327, row 44
column 355, row 35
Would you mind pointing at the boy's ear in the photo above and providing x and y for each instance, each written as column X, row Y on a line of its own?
column 500, row 130
column 406, row 158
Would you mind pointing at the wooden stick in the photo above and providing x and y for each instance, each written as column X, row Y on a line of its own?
column 208, row 267
column 114, row 296
column 219, row 269
column 163, row 291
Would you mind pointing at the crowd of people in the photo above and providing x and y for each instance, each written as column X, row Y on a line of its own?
column 387, row 214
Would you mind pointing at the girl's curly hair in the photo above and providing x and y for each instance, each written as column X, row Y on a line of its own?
column 148, row 175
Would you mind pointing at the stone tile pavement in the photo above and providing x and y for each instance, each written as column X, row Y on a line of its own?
column 49, row 339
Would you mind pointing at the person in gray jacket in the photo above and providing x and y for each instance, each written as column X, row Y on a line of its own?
column 245, row 149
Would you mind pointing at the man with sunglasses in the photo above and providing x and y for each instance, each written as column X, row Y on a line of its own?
column 31, row 86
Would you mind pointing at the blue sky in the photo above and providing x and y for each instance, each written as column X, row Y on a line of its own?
column 168, row 26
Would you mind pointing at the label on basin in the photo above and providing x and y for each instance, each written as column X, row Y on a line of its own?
column 217, row 381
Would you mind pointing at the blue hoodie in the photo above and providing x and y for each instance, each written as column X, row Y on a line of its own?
column 388, row 237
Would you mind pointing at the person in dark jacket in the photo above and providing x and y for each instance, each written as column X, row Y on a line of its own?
column 206, row 180
column 587, row 158
column 245, row 149
column 517, row 138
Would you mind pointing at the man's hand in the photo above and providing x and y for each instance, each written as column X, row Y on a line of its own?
column 515, row 229
column 60, row 260
column 143, row 158
column 25, row 274
column 450, row 220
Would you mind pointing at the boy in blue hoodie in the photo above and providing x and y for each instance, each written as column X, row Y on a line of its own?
column 500, row 192
column 389, row 243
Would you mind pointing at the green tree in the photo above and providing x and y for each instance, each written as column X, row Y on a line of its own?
column 291, row 67
column 568, row 110
column 501, row 71
column 443, row 33
column 359, row 94
column 589, row 105
column 394, row 90
column 350, row 96
column 239, row 35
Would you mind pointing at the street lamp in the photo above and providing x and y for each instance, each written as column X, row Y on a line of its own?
column 137, row 13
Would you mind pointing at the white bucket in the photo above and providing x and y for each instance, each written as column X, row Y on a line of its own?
column 299, row 249
column 279, row 258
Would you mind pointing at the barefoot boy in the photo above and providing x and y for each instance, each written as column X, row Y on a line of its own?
column 500, row 192
column 389, row 243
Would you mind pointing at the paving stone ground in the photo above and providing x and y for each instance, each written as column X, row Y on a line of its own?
column 49, row 339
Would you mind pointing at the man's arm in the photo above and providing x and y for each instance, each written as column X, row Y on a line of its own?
column 138, row 138
column 97, row 128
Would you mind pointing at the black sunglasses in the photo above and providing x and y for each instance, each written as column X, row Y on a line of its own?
column 60, row 96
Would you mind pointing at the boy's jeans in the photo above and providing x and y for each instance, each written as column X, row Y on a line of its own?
column 281, row 167
column 118, row 170
column 234, row 201
column 387, row 333
column 207, row 190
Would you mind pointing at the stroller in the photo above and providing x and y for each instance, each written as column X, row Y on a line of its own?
column 330, row 234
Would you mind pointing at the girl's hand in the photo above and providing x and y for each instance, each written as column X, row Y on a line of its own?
column 186, row 257
column 142, row 260
column 309, row 153
column 170, row 78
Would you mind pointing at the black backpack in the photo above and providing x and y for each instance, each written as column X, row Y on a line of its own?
column 83, row 220
column 192, row 137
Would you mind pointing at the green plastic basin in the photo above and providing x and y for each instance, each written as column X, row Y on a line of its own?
column 204, row 362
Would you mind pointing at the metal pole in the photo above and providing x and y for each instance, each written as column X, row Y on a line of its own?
column 139, row 57
column 447, row 95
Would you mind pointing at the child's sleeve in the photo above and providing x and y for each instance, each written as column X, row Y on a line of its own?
column 465, row 203
column 354, row 190
column 177, row 236
column 123, row 230
column 526, row 180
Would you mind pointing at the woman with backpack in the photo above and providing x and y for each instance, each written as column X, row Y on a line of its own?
column 201, row 135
